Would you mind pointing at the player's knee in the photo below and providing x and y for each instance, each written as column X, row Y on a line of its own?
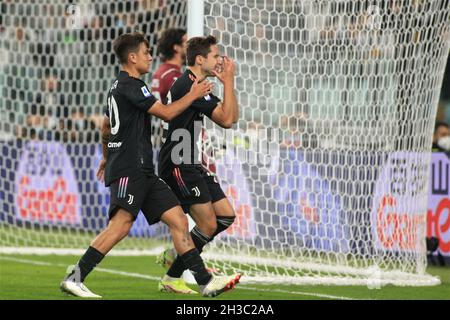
column 182, row 224
column 226, row 211
column 177, row 220
column 230, row 213
column 120, row 229
column 125, row 229
column 208, row 227
column 224, row 222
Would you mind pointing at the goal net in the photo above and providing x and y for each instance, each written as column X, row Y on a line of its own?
column 56, row 67
column 327, row 168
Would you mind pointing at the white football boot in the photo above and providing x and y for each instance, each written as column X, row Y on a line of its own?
column 219, row 284
column 77, row 289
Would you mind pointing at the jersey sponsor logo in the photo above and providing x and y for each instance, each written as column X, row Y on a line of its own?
column 207, row 97
column 145, row 91
column 114, row 144
column 130, row 199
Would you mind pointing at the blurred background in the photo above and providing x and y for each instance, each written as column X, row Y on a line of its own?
column 53, row 77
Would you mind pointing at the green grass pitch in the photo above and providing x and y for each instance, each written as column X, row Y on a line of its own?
column 38, row 277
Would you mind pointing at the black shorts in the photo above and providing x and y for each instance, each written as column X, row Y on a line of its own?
column 147, row 193
column 193, row 185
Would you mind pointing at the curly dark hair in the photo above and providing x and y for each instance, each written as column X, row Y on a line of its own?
column 168, row 39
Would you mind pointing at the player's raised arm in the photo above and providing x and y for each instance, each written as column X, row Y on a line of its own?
column 226, row 112
column 170, row 111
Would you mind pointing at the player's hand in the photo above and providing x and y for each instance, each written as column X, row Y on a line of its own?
column 101, row 170
column 199, row 90
column 227, row 72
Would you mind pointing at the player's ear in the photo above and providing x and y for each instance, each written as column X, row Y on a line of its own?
column 132, row 57
column 199, row 60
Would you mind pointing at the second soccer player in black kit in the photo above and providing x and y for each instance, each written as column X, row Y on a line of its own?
column 127, row 168
column 180, row 165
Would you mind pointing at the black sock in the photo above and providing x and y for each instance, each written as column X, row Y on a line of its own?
column 194, row 262
column 199, row 238
column 222, row 224
column 87, row 263
column 177, row 268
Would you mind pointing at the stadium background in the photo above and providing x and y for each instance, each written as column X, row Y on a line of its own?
column 49, row 107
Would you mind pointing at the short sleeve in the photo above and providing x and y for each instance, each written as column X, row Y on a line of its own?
column 139, row 95
column 206, row 105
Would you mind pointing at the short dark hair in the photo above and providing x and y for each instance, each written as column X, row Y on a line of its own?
column 199, row 46
column 169, row 38
column 126, row 43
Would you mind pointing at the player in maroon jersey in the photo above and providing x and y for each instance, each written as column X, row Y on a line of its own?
column 172, row 50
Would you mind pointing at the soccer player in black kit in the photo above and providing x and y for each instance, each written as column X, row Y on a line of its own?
column 127, row 168
column 180, row 165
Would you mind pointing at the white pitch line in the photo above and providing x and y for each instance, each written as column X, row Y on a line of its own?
column 76, row 252
column 144, row 276
column 43, row 263
column 26, row 261
column 318, row 295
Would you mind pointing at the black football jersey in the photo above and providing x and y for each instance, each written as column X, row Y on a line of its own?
column 190, row 121
column 130, row 150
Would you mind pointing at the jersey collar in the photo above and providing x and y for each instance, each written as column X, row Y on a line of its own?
column 123, row 74
column 190, row 72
